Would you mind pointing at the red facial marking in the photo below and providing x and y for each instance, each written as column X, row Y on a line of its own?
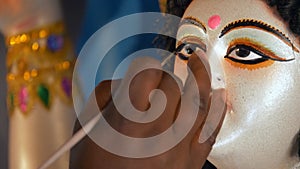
column 214, row 21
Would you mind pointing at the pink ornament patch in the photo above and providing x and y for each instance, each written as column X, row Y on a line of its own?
column 214, row 22
column 23, row 97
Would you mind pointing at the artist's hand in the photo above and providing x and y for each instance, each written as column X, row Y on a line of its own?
column 187, row 154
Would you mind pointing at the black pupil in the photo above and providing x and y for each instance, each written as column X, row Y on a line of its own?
column 242, row 52
column 189, row 50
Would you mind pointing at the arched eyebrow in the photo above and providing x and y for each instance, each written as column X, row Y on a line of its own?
column 250, row 23
column 193, row 21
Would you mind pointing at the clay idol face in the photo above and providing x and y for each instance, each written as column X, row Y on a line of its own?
column 261, row 63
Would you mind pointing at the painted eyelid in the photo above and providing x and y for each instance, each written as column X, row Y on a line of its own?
column 262, row 52
column 189, row 30
column 279, row 49
column 192, row 41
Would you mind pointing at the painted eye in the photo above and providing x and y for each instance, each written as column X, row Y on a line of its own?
column 246, row 55
column 185, row 50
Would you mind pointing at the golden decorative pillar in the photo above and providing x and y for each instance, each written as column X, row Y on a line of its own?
column 40, row 64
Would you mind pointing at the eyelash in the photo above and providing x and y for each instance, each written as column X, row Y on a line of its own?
column 241, row 47
column 263, row 59
column 189, row 48
column 265, row 56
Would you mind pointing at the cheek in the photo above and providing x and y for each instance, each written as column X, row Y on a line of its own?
column 265, row 116
column 262, row 99
column 265, row 90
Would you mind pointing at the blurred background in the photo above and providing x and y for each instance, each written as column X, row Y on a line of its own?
column 83, row 18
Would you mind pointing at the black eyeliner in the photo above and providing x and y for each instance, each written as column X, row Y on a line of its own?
column 251, row 49
column 257, row 24
column 248, row 48
column 248, row 62
column 192, row 46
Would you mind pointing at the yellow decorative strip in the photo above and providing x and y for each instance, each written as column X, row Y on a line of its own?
column 40, row 64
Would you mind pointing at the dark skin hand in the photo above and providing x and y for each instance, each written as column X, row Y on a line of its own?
column 188, row 154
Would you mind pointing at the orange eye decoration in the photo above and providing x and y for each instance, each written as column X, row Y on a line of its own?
column 245, row 54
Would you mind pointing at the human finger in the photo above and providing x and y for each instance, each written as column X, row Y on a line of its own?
column 171, row 86
column 140, row 81
column 197, row 88
column 206, row 134
column 103, row 92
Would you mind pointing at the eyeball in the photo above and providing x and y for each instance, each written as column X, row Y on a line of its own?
column 185, row 50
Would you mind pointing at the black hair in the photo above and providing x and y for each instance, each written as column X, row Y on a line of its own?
column 174, row 7
column 289, row 10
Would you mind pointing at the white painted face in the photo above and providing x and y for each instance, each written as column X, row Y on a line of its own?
column 261, row 63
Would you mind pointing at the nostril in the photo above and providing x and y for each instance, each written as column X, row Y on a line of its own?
column 218, row 81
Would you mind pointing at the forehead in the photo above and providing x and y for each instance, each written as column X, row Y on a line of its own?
column 234, row 10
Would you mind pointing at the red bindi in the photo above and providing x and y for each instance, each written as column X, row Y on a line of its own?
column 214, row 21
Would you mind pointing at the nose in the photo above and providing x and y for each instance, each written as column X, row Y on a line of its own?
column 215, row 53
